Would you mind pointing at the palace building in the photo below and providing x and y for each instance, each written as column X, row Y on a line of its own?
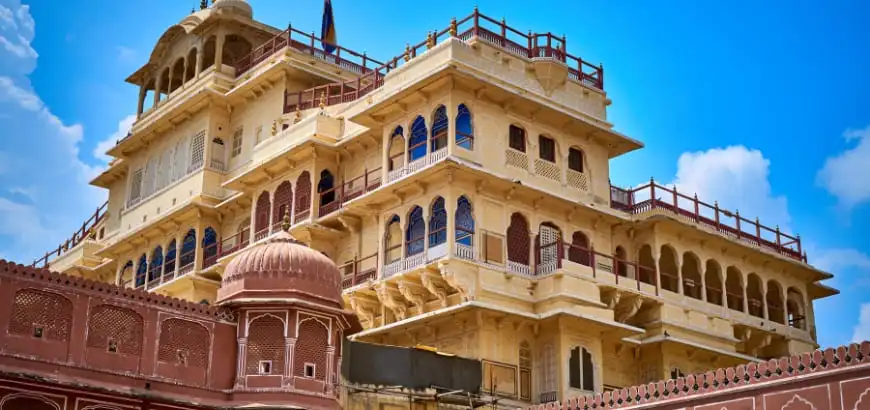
column 461, row 188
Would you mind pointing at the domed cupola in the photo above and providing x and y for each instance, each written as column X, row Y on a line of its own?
column 280, row 269
column 241, row 7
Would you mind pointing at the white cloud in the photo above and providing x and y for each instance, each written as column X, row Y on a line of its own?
column 126, row 54
column 861, row 331
column 841, row 259
column 845, row 175
column 44, row 195
column 123, row 128
column 736, row 177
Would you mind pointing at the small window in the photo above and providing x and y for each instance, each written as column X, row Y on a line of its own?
column 581, row 370
column 547, row 148
column 517, row 138
column 38, row 332
column 237, row 143
column 112, row 347
column 181, row 357
column 575, row 159
column 265, row 367
column 310, row 370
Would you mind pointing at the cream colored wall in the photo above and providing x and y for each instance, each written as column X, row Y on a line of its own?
column 256, row 114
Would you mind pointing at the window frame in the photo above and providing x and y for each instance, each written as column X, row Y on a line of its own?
column 238, row 137
column 549, row 156
column 580, row 165
column 512, row 135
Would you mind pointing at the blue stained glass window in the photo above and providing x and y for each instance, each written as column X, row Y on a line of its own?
column 417, row 144
column 439, row 128
column 170, row 257
column 464, row 130
column 156, row 264
column 141, row 270
column 464, row 222
column 438, row 223
column 209, row 243
column 416, row 234
column 326, row 183
column 188, row 248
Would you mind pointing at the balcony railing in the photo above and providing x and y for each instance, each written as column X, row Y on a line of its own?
column 333, row 199
column 475, row 26
column 78, row 237
column 416, row 165
column 654, row 196
column 359, row 271
column 308, row 44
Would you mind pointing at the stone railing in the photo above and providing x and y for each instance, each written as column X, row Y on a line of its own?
column 809, row 381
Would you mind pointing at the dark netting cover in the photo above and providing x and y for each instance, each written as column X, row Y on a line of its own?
column 417, row 369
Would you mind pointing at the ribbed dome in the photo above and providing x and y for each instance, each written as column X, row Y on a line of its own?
column 239, row 6
column 281, row 268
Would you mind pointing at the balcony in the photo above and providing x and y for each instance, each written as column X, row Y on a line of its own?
column 86, row 231
column 359, row 271
column 333, row 199
column 653, row 197
column 475, row 27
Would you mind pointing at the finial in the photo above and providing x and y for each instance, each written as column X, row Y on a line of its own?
column 453, row 29
column 285, row 222
column 274, row 128
column 430, row 40
column 407, row 52
column 322, row 101
column 203, row 4
column 298, row 115
column 192, row 10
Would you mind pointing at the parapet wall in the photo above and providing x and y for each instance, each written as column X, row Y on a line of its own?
column 836, row 379
column 103, row 335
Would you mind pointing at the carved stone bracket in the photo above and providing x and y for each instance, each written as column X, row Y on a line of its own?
column 365, row 306
column 627, row 307
column 390, row 297
column 413, row 292
column 433, row 283
column 463, row 281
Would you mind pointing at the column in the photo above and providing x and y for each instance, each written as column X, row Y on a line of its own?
column 241, row 363
column 765, row 313
column 451, row 125
column 171, row 75
column 290, row 344
column 197, row 254
column 450, row 209
column 330, row 359
column 745, row 297
column 219, row 51
column 657, row 253
column 379, row 219
column 184, row 73
column 703, row 280
column 199, row 52
column 678, row 258
column 141, row 103
column 157, row 84
column 119, row 270
column 178, row 242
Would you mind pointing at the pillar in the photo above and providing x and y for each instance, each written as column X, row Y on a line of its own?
column 198, row 254
column 451, row 124
column 141, row 103
column 119, row 270
column 656, row 254
column 745, row 296
column 764, row 310
column 703, row 271
column 678, row 258
column 184, row 73
column 450, row 209
column 382, row 255
column 241, row 364
column 171, row 75
column 330, row 360
column 157, row 84
column 199, row 60
column 178, row 242
column 289, row 346
column 219, row 51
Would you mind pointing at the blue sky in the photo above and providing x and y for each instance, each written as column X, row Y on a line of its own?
column 764, row 106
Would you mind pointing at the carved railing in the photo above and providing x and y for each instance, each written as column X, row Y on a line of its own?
column 79, row 236
column 730, row 224
column 475, row 26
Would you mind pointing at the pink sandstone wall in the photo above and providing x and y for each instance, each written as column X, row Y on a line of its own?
column 833, row 379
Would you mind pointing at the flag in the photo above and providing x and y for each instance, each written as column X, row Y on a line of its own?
column 327, row 31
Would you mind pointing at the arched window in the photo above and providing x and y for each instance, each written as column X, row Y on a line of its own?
column 691, row 275
column 415, row 235
column 396, row 151
column 518, row 241
column 188, row 249
column 302, row 198
column 437, row 223
column 550, row 245
column 796, row 312
column 127, row 273
column 713, row 279
column 325, row 188
column 464, row 222
column 581, row 370
column 734, row 289
column 464, row 129
column 191, row 65
column 579, row 252
column 546, row 148
column 525, row 354
column 261, row 215
column 646, row 265
column 417, row 143
column 439, row 128
column 668, row 269
column 775, row 310
column 393, row 240
column 141, row 270
column 283, row 202
column 755, row 296
column 575, row 159
column 156, row 264
column 517, row 138
column 170, row 258
column 243, row 232
column 209, row 247
column 621, row 262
